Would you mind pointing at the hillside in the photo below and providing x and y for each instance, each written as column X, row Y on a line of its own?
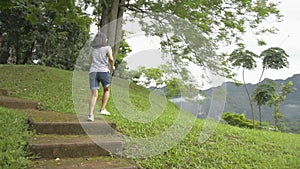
column 237, row 101
column 172, row 138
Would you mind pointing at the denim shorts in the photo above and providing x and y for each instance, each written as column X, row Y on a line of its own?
column 97, row 77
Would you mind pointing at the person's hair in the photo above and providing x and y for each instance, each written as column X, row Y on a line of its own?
column 100, row 40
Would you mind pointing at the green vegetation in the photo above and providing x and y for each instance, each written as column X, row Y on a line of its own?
column 13, row 140
column 228, row 147
column 272, row 58
column 237, row 102
column 53, row 32
column 239, row 120
column 52, row 87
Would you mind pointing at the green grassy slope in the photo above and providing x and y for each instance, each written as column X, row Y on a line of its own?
column 228, row 147
column 14, row 151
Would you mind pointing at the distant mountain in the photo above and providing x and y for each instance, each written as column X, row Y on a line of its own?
column 237, row 101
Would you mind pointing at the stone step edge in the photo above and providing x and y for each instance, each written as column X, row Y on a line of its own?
column 85, row 148
column 73, row 128
column 100, row 162
column 18, row 103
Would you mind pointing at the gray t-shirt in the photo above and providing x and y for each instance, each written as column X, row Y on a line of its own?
column 100, row 59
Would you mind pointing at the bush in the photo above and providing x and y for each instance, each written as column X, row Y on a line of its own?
column 238, row 120
column 13, row 140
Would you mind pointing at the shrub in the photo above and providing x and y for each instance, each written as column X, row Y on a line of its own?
column 237, row 120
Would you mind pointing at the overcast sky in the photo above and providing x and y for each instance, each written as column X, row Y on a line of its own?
column 287, row 38
column 145, row 49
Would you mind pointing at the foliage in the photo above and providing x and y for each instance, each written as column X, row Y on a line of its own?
column 13, row 140
column 237, row 102
column 277, row 100
column 123, row 52
column 144, row 76
column 49, row 32
column 239, row 120
column 178, row 88
column 273, row 58
column 190, row 31
column 243, row 58
column 263, row 94
column 228, row 146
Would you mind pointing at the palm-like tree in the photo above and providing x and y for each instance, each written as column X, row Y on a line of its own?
column 246, row 60
column 263, row 94
column 273, row 58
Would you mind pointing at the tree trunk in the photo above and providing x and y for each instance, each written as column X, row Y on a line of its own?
column 17, row 54
column 276, row 117
column 249, row 97
column 111, row 22
column 260, row 115
column 29, row 54
column 4, row 53
column 261, row 75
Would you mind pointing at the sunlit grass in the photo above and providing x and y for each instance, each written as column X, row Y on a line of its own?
column 227, row 147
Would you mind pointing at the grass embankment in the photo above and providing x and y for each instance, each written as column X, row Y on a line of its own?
column 227, row 147
column 13, row 140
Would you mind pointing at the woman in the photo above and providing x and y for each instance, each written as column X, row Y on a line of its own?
column 101, row 63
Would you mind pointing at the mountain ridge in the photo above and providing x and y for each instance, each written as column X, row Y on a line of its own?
column 237, row 102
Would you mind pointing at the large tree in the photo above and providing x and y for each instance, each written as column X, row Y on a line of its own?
column 179, row 23
column 245, row 59
column 189, row 29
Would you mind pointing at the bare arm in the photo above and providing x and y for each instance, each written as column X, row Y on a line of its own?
column 90, row 58
column 111, row 61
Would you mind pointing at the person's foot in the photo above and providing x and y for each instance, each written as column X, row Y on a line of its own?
column 91, row 117
column 104, row 112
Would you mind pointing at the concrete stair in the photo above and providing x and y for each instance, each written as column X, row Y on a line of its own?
column 73, row 128
column 16, row 103
column 73, row 146
column 67, row 141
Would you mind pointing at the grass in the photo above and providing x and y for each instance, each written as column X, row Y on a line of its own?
column 13, row 140
column 170, row 137
column 52, row 87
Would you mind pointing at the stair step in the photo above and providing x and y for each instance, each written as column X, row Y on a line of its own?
column 72, row 146
column 73, row 128
column 3, row 92
column 101, row 162
column 16, row 103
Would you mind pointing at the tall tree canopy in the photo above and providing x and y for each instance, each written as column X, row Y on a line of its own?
column 189, row 29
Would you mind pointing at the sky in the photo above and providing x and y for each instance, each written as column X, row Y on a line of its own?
column 287, row 38
column 145, row 50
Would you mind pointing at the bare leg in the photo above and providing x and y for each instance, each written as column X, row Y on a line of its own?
column 105, row 98
column 93, row 101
